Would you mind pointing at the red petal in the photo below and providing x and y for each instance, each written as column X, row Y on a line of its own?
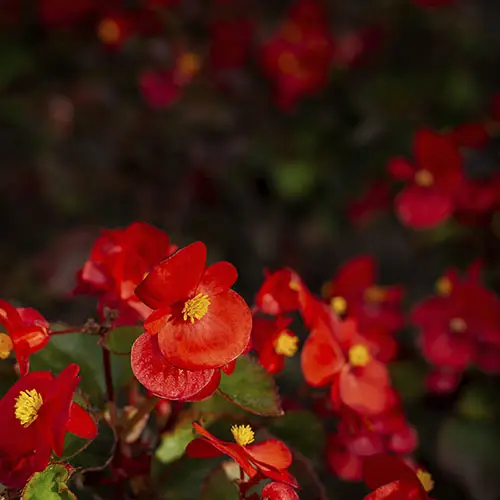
column 321, row 356
column 270, row 359
column 80, row 423
column 209, row 389
column 30, row 316
column 272, row 452
column 160, row 377
column 392, row 491
column 381, row 469
column 200, row 448
column 229, row 368
column 365, row 390
column 400, row 169
column 444, row 349
column 279, row 491
column 213, row 341
column 354, row 276
column 443, row 381
column 275, row 295
column 175, row 278
column 9, row 317
column 157, row 320
column 218, row 278
column 423, row 208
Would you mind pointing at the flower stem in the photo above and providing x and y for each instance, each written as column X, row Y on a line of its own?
column 108, row 376
column 147, row 406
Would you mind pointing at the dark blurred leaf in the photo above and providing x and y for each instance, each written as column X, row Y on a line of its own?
column 120, row 340
column 49, row 484
column 14, row 62
column 252, row 388
column 218, row 486
column 408, row 377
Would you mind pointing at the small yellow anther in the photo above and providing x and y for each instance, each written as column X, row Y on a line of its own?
column 426, row 479
column 5, row 346
column 339, row 305
column 27, row 405
column 444, row 286
column 375, row 294
column 286, row 344
column 196, row 307
column 243, row 434
column 424, row 178
column 359, row 355
column 293, row 285
column 458, row 325
column 108, row 31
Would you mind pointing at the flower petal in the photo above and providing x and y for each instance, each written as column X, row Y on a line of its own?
column 174, row 278
column 218, row 278
column 381, row 469
column 220, row 336
column 272, row 452
column 279, row 491
column 155, row 373
column 80, row 423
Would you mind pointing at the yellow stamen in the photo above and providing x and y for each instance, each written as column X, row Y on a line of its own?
column 243, row 434
column 424, row 178
column 293, row 285
column 444, row 286
column 108, row 31
column 426, row 479
column 286, row 344
column 196, row 307
column 375, row 294
column 27, row 405
column 188, row 65
column 339, row 305
column 5, row 346
column 458, row 325
column 289, row 64
column 359, row 355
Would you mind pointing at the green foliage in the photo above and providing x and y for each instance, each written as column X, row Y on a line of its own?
column 219, row 485
column 120, row 340
column 49, row 484
column 252, row 388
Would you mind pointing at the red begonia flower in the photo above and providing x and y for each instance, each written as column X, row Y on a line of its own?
column 273, row 342
column 375, row 199
column 57, row 13
column 393, row 479
column 443, row 380
column 27, row 332
column 118, row 261
column 200, row 322
column 270, row 458
column 341, row 356
column 35, row 415
column 279, row 292
column 353, row 292
column 165, row 380
column 428, row 198
column 279, row 491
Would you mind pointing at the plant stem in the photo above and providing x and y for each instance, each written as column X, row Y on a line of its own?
column 147, row 406
column 108, row 376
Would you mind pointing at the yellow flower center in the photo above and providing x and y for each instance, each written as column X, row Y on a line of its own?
column 359, row 355
column 458, row 325
column 375, row 294
column 27, row 405
column 5, row 346
column 426, row 479
column 293, row 285
column 424, row 178
column 339, row 305
column 444, row 286
column 196, row 307
column 289, row 64
column 188, row 65
column 243, row 434
column 286, row 344
column 108, row 31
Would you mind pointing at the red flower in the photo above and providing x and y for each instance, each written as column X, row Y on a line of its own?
column 279, row 491
column 27, row 333
column 273, row 342
column 300, row 55
column 342, row 357
column 118, row 261
column 354, row 292
column 376, row 198
column 279, row 292
column 268, row 459
column 428, row 198
column 35, row 415
column 392, row 479
column 200, row 322
column 460, row 327
column 63, row 13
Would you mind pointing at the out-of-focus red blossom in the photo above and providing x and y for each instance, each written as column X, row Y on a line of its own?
column 273, row 342
column 392, row 479
column 199, row 322
column 375, row 199
column 114, row 29
column 118, row 261
column 342, row 357
column 160, row 88
column 358, row 438
column 431, row 183
column 299, row 56
column 60, row 13
column 458, row 327
column 279, row 292
column 35, row 415
column 27, row 332
column 279, row 491
column 353, row 48
column 353, row 292
column 230, row 43
column 269, row 459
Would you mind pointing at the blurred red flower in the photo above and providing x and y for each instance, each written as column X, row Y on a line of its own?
column 35, row 415
column 269, row 459
column 200, row 322
column 431, row 184
column 27, row 332
column 118, row 261
column 392, row 479
column 375, row 199
column 279, row 292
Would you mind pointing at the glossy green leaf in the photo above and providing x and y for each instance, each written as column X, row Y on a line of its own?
column 49, row 484
column 120, row 340
column 250, row 387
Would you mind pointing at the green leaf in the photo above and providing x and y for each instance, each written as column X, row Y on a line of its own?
column 250, row 387
column 408, row 378
column 302, row 430
column 120, row 340
column 479, row 402
column 219, row 486
column 218, row 405
column 49, row 484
